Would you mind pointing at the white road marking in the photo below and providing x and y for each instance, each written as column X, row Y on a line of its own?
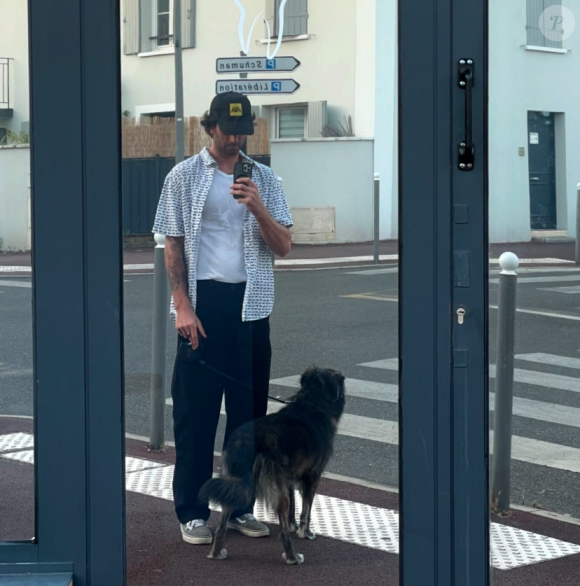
column 527, row 408
column 530, row 377
column 22, row 284
column 354, row 388
column 545, row 313
column 559, row 279
column 543, row 379
column 573, row 290
column 370, row 272
column 336, row 260
column 386, row 364
column 14, row 269
column 551, row 359
column 7, row 370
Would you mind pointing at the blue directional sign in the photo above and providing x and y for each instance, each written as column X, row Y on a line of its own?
column 257, row 86
column 256, row 64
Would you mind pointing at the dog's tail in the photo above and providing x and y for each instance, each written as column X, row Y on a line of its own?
column 233, row 493
column 236, row 487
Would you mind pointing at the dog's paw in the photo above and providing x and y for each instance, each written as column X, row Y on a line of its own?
column 293, row 527
column 304, row 533
column 298, row 559
column 222, row 555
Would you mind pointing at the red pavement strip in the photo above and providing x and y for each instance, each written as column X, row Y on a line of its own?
column 306, row 252
column 157, row 555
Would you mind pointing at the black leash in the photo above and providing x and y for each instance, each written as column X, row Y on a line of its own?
column 237, row 382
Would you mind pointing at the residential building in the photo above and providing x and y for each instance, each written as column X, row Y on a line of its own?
column 348, row 77
column 336, row 44
column 534, row 121
column 14, row 128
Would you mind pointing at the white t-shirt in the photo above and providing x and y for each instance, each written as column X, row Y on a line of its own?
column 221, row 249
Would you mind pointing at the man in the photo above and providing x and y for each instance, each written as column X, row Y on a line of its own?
column 218, row 253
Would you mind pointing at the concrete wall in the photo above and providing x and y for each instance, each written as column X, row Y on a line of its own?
column 14, row 44
column 520, row 81
column 385, row 109
column 14, row 198
column 330, row 173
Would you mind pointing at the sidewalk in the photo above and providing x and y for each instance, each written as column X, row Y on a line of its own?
column 358, row 552
column 303, row 256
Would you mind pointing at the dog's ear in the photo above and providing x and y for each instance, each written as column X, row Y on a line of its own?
column 333, row 384
column 310, row 377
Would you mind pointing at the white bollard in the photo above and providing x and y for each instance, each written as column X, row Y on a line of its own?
column 504, row 382
column 159, row 348
column 376, row 217
column 577, row 251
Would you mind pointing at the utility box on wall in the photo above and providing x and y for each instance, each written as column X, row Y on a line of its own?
column 313, row 224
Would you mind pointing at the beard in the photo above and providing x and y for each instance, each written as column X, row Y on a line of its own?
column 232, row 149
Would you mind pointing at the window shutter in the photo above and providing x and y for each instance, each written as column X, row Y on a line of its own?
column 556, row 10
column 296, row 18
column 317, row 118
column 534, row 10
column 130, row 27
column 291, row 122
column 271, row 6
column 188, row 18
column 145, row 25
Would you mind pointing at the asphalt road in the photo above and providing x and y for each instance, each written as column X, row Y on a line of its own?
column 317, row 321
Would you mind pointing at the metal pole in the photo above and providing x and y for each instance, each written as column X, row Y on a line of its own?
column 504, row 383
column 179, row 130
column 376, row 216
column 577, row 256
column 244, row 76
column 159, row 348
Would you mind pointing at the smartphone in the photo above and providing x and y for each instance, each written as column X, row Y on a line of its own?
column 243, row 169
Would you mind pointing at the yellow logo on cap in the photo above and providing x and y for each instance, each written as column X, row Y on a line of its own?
column 235, row 109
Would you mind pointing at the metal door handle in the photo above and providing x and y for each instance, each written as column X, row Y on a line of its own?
column 535, row 178
column 466, row 148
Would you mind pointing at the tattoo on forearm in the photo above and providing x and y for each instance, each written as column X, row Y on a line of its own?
column 176, row 265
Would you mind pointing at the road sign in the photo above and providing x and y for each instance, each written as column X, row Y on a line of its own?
column 257, row 86
column 256, row 64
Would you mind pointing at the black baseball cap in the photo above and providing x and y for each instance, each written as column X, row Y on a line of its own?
column 233, row 113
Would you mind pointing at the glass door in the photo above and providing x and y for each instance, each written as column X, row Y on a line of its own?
column 322, row 139
column 533, row 270
column 358, row 246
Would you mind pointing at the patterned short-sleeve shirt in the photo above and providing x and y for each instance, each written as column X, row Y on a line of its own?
column 179, row 214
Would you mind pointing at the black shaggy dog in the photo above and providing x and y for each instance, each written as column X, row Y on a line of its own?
column 272, row 456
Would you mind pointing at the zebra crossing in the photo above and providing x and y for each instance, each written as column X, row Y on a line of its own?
column 533, row 450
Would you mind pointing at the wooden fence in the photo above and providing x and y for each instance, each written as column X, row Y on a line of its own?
column 156, row 137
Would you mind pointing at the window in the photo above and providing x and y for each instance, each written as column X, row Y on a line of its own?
column 295, row 18
column 148, row 26
column 162, row 23
column 536, row 37
column 291, row 122
column 157, row 115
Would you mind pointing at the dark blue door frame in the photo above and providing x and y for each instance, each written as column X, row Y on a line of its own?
column 77, row 294
column 78, row 310
column 443, row 268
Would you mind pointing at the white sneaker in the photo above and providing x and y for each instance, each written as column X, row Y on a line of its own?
column 249, row 525
column 196, row 532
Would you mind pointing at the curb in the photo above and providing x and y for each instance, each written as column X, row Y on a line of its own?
column 311, row 264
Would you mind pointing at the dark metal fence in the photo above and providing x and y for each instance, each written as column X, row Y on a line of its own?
column 142, row 183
